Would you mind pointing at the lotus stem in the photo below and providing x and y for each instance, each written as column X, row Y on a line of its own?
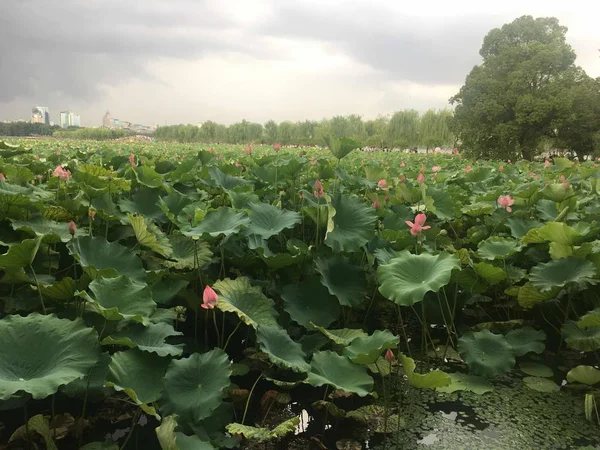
column 249, row 397
column 385, row 409
column 230, row 335
column 404, row 335
column 133, row 424
column 38, row 289
column 83, row 410
column 214, row 314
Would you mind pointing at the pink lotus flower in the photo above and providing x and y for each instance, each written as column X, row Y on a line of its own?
column 422, row 168
column 237, row 164
column 402, row 179
column 72, row 228
column 418, row 225
column 468, row 169
column 209, row 298
column 248, row 151
column 564, row 181
column 381, row 184
column 389, row 355
column 2, row 178
column 318, row 192
column 61, row 173
column 505, row 201
column 547, row 164
column 402, row 164
column 277, row 146
column 132, row 160
column 376, row 204
column 436, row 168
column 501, row 168
column 421, row 178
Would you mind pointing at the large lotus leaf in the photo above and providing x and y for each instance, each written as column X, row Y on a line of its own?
column 525, row 340
column 92, row 384
column 582, row 339
column 584, row 374
column 557, row 232
column 107, row 259
column 439, row 202
column 148, row 339
column 561, row 272
column 490, row 273
column 353, row 224
column 120, row 298
column 145, row 202
column 377, row 419
column 310, row 302
column 225, row 181
column 223, row 221
column 42, row 352
column 430, row 380
column 341, row 147
column 557, row 192
column 264, row 434
column 281, row 349
column 140, row 375
column 149, row 235
column 187, row 253
column 486, row 353
column 408, row 277
column 338, row 371
column 165, row 289
column 520, row 227
column 268, row 220
column 529, row 296
column 497, row 248
column 541, row 384
column 590, row 319
column 51, row 231
column 535, row 369
column 343, row 336
column 366, row 350
column 169, row 439
column 194, row 385
column 466, row 382
column 147, row 176
column 247, row 301
column 343, row 279
column 20, row 255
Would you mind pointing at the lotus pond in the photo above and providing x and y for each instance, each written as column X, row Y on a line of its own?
column 174, row 296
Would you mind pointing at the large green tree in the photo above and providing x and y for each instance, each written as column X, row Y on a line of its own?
column 508, row 104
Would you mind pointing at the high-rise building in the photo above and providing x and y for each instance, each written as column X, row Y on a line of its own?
column 116, row 123
column 69, row 119
column 107, row 120
column 40, row 114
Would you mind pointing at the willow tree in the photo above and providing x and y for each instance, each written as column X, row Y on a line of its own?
column 403, row 129
column 434, row 129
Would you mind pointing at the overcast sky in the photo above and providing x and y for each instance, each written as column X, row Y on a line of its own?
column 187, row 61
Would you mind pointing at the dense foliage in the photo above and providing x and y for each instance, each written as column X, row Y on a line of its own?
column 26, row 129
column 205, row 290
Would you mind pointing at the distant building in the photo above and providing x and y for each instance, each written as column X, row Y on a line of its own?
column 40, row 114
column 107, row 120
column 69, row 119
column 125, row 124
column 116, row 123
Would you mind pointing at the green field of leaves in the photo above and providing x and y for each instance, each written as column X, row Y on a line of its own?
column 216, row 293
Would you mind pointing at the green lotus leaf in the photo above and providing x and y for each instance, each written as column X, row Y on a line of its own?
column 52, row 232
column 353, row 224
column 486, row 353
column 268, row 220
column 107, row 259
column 525, row 340
column 194, row 385
column 242, row 200
column 491, row 274
column 170, row 439
column 439, row 202
column 107, row 445
column 310, row 302
column 147, row 176
column 342, row 336
column 466, row 382
column 43, row 352
column 147, row 339
column 374, row 417
column 227, row 182
column 343, row 279
column 223, row 221
column 557, row 232
column 140, row 375
column 37, row 424
column 145, row 202
column 520, row 227
column 341, row 147
column 279, row 260
column 557, row 192
column 582, row 339
column 20, row 255
column 584, row 374
column 529, row 296
column 590, row 319
column 430, row 380
column 281, row 349
column 188, row 253
column 149, row 235
column 541, row 384
column 338, row 371
column 561, row 272
column 535, row 369
column 92, row 384
column 331, row 408
column 477, row 209
column 120, row 298
column 366, row 350
column 264, row 434
column 62, row 290
column 408, row 277
column 497, row 248
column 165, row 289
column 248, row 302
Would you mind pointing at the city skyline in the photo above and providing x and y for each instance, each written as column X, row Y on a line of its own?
column 226, row 60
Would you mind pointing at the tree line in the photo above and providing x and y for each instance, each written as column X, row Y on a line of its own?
column 97, row 134
column 403, row 129
column 27, row 129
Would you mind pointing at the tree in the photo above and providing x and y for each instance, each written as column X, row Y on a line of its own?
column 434, row 129
column 271, row 132
column 509, row 103
column 403, row 129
